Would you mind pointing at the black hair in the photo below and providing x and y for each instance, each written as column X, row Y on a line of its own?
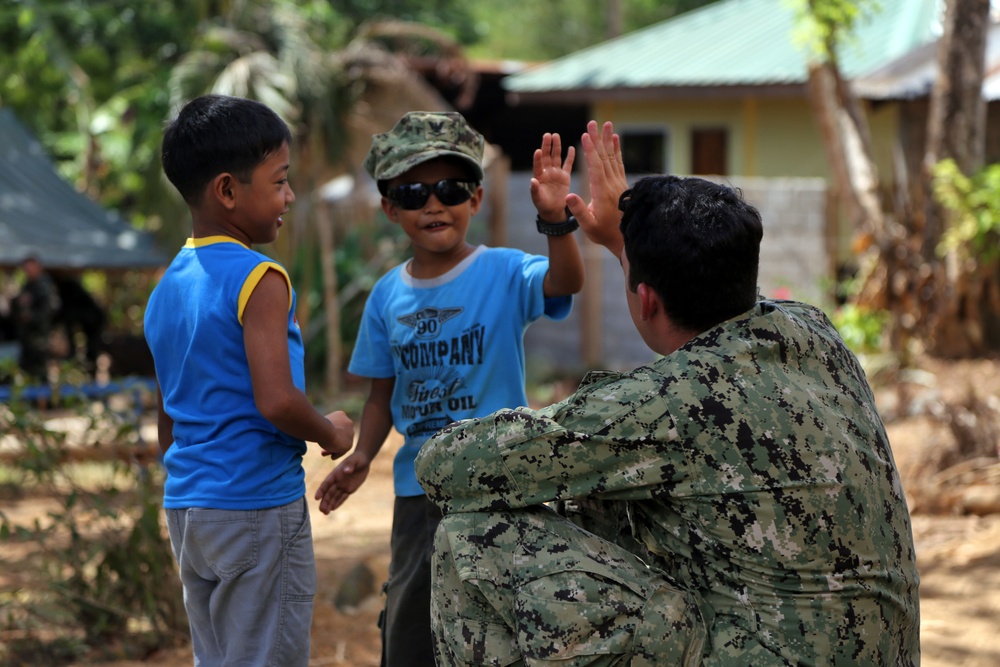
column 696, row 243
column 213, row 134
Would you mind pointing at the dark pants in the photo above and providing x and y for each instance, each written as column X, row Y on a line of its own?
column 407, row 640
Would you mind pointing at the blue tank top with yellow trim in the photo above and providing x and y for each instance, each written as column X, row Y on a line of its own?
column 225, row 455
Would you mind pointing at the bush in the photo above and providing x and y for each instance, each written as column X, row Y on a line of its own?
column 96, row 571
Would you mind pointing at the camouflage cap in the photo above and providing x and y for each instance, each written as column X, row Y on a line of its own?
column 420, row 136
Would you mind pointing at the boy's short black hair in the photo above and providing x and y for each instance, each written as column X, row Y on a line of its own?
column 696, row 243
column 213, row 134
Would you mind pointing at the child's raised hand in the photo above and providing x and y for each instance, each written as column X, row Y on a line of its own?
column 342, row 481
column 551, row 180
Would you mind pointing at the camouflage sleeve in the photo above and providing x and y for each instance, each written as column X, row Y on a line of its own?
column 518, row 458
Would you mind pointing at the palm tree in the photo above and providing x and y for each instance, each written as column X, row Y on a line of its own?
column 333, row 99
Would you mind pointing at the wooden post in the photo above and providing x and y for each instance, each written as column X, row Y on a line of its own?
column 331, row 304
column 498, row 193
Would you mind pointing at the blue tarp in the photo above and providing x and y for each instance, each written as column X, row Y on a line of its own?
column 91, row 390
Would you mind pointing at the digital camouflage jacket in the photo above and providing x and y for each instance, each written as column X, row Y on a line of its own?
column 750, row 467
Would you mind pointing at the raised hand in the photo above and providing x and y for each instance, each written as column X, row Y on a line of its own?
column 551, row 178
column 600, row 218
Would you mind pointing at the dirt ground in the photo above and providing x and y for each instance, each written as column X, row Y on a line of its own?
column 956, row 521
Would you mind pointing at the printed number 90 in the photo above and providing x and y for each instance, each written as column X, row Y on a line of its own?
column 427, row 328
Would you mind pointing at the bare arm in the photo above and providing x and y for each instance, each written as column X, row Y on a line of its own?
column 376, row 418
column 549, row 188
column 601, row 218
column 265, row 335
column 350, row 474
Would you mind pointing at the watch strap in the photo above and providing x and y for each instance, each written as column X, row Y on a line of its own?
column 567, row 226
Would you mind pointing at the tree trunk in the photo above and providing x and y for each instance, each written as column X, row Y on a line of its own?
column 953, row 325
column 848, row 148
column 884, row 256
column 613, row 19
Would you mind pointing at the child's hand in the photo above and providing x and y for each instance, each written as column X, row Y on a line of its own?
column 343, row 435
column 551, row 180
column 342, row 481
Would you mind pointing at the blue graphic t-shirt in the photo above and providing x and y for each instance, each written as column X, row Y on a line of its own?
column 455, row 344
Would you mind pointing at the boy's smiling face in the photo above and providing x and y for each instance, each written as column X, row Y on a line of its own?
column 265, row 198
column 437, row 231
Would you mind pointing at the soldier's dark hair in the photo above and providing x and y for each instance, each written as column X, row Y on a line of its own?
column 213, row 134
column 696, row 243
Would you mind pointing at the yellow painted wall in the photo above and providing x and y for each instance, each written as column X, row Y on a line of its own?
column 768, row 137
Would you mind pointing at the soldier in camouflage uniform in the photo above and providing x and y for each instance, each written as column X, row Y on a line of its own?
column 34, row 313
column 733, row 503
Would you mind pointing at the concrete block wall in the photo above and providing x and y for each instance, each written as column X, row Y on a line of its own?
column 794, row 263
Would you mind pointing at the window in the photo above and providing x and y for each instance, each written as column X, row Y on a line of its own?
column 644, row 150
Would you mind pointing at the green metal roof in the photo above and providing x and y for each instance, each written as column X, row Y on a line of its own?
column 728, row 43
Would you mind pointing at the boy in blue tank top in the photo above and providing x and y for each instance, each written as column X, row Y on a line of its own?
column 442, row 336
column 233, row 416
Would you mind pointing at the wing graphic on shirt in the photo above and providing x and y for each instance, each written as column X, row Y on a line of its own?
column 427, row 321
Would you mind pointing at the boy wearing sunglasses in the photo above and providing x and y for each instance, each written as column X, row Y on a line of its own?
column 442, row 335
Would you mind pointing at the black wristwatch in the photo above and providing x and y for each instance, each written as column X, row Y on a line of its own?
column 567, row 226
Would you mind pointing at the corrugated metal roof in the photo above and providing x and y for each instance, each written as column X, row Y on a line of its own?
column 42, row 215
column 912, row 75
column 731, row 42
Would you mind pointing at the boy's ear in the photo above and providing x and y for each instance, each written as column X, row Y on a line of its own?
column 477, row 200
column 389, row 209
column 223, row 190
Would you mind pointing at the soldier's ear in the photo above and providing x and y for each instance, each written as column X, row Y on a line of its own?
column 649, row 302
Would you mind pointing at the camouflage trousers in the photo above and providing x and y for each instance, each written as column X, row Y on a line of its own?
column 529, row 587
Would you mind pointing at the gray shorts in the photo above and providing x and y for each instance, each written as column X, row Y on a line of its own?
column 249, row 581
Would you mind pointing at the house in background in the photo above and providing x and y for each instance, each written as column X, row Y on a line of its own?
column 722, row 89
column 721, row 92
column 902, row 89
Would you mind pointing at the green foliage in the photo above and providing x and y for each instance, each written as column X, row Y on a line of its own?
column 454, row 18
column 532, row 30
column 363, row 253
column 92, row 79
column 974, row 204
column 97, row 573
column 861, row 328
column 824, row 25
column 95, row 81
column 89, row 79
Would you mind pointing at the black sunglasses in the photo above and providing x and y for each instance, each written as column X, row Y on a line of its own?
column 449, row 191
